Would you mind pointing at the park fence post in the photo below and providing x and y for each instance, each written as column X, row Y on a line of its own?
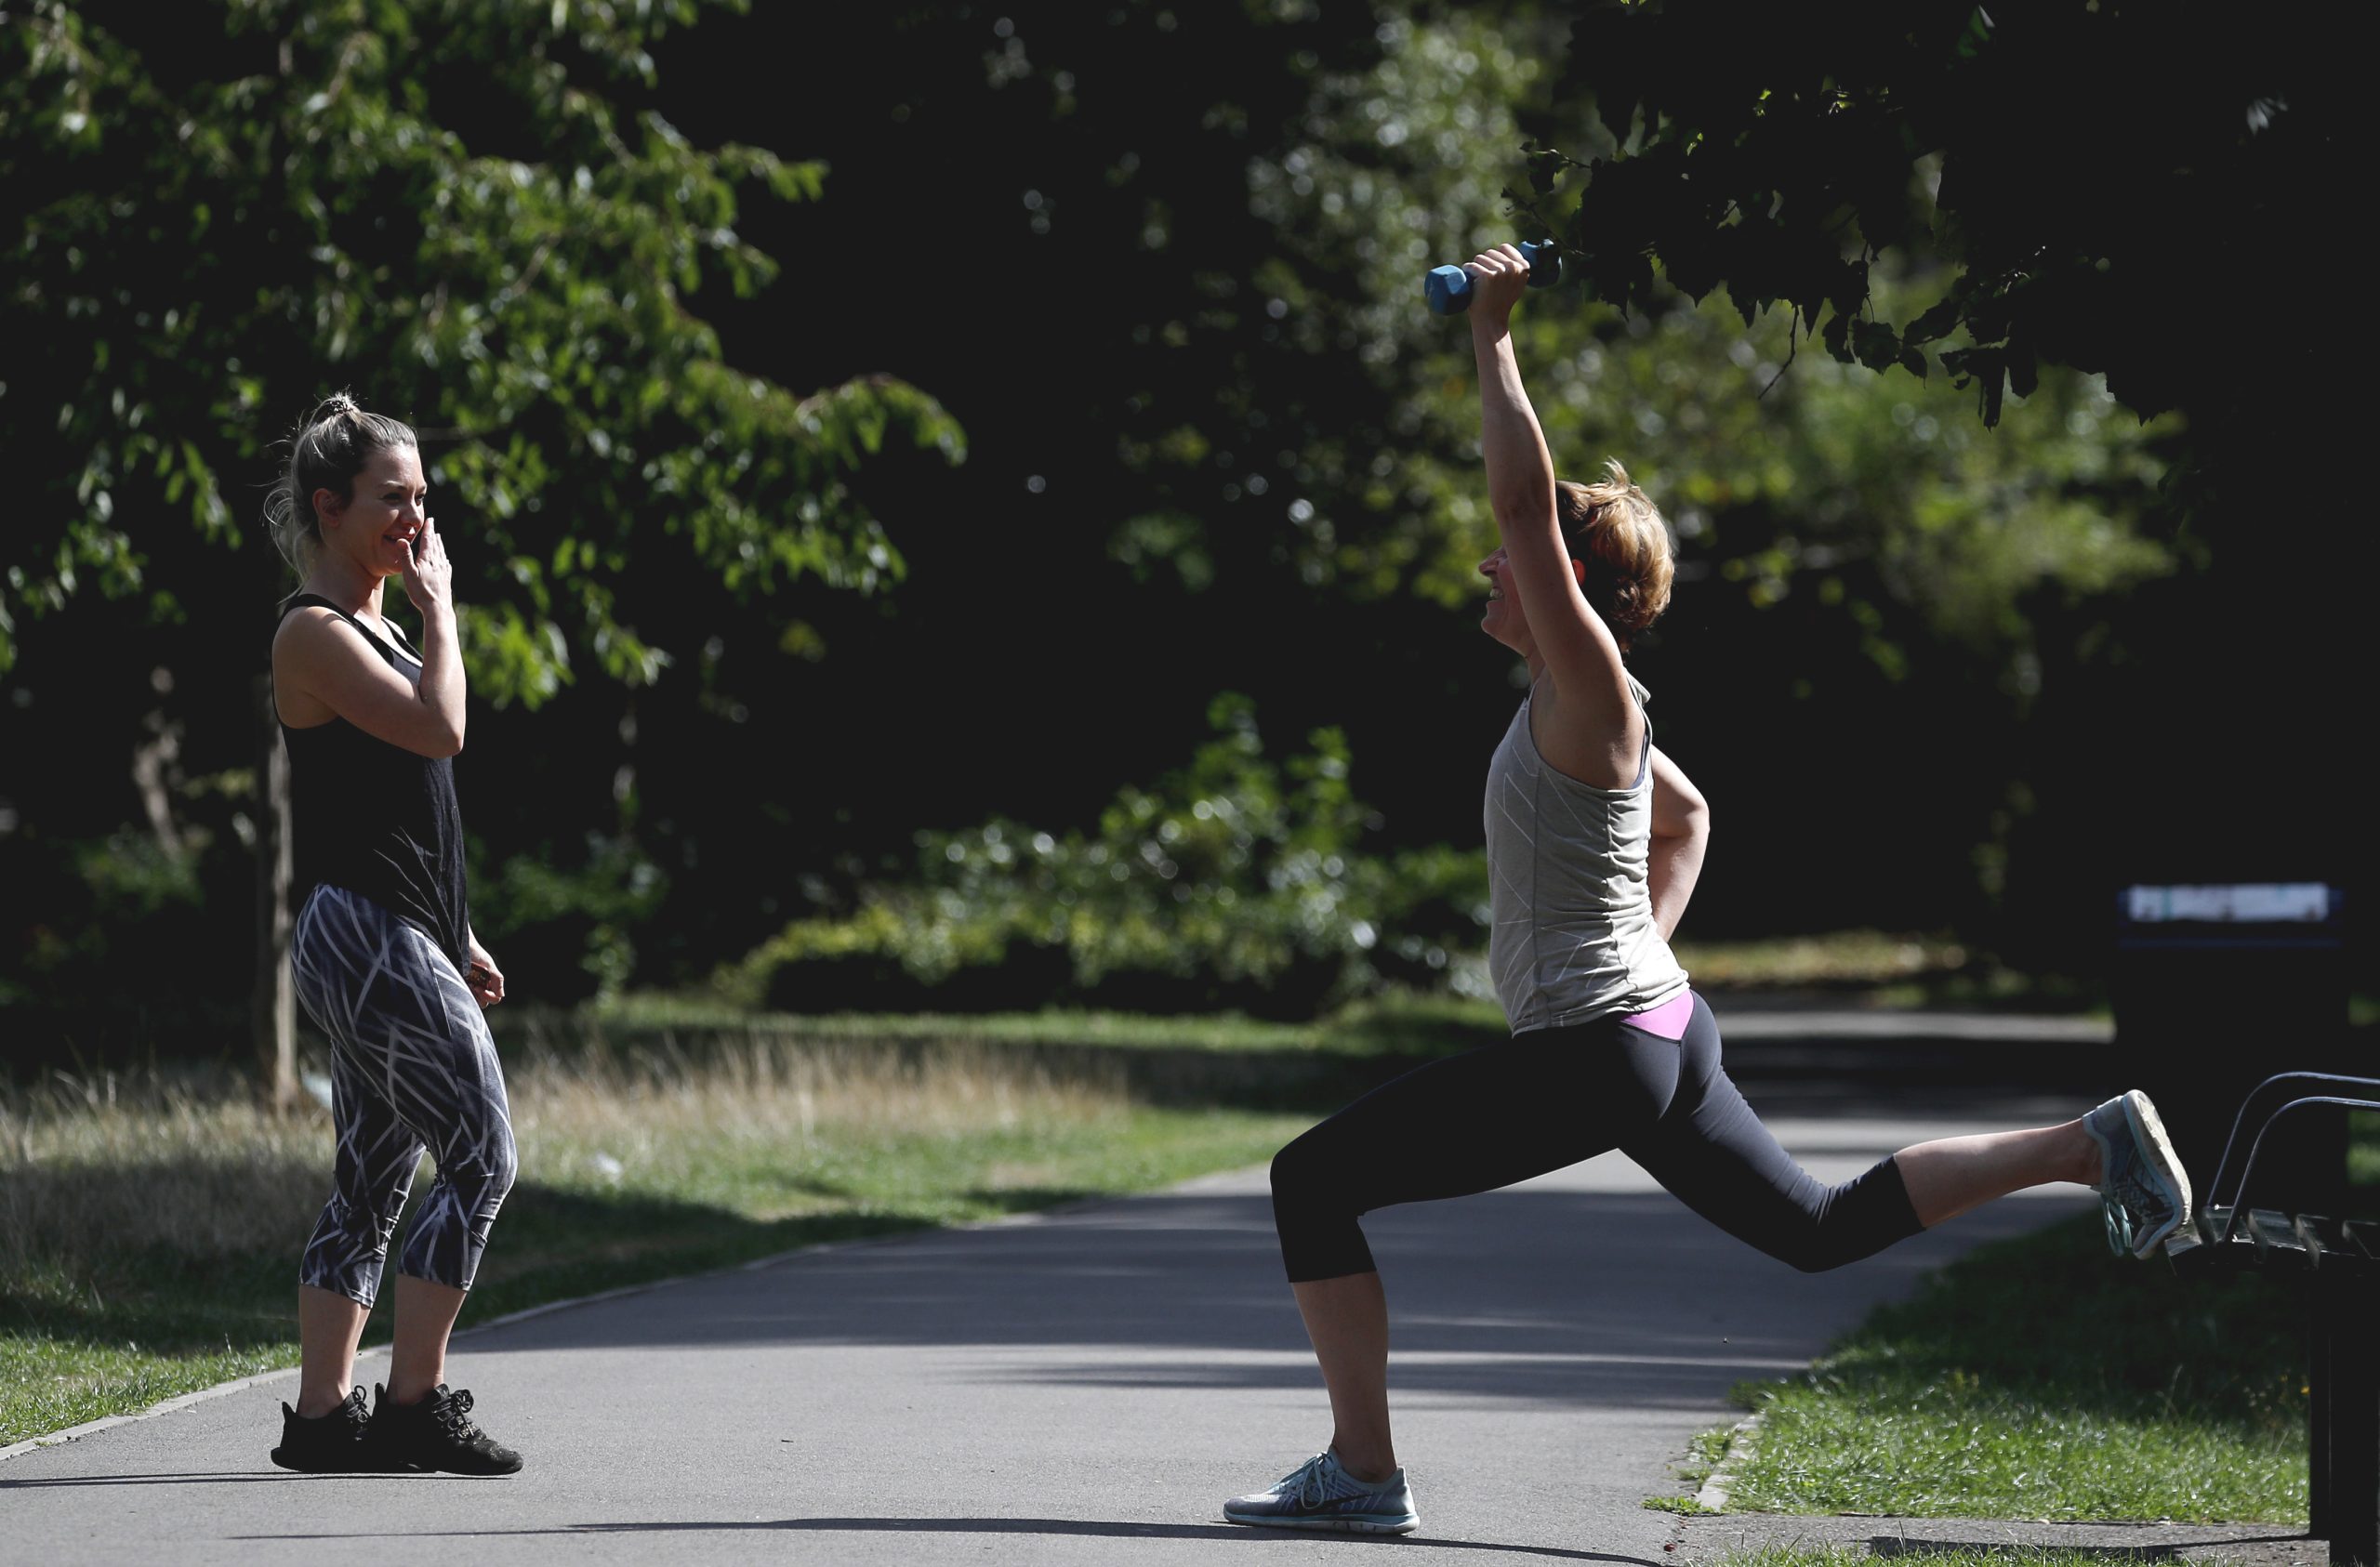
column 272, row 1008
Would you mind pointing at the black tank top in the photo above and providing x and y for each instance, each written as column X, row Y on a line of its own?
column 376, row 819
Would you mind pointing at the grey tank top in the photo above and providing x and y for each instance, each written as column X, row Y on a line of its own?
column 1573, row 937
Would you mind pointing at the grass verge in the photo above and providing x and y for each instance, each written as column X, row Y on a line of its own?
column 1682, row 1505
column 148, row 1228
column 2037, row 1378
column 1944, row 1556
column 1404, row 1025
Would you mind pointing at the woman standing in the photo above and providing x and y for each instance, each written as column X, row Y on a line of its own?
column 385, row 960
column 1595, row 841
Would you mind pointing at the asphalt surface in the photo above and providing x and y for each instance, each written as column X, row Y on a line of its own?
column 1080, row 1387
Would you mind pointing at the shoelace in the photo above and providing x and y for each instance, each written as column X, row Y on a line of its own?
column 2119, row 1187
column 2118, row 1219
column 454, row 1415
column 1307, row 1477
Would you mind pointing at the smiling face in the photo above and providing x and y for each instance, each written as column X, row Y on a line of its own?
column 1505, row 619
column 376, row 525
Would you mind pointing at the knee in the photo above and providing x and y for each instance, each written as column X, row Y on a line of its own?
column 504, row 1165
column 1840, row 1233
column 1813, row 1253
column 1288, row 1178
column 1855, row 1220
column 1299, row 1172
column 367, row 1207
column 485, row 1178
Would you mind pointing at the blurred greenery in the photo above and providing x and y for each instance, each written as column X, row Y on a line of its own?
column 1234, row 882
column 794, row 699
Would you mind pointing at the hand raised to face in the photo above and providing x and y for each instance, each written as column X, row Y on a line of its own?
column 430, row 580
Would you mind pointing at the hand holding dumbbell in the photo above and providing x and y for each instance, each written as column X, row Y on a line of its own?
column 1448, row 289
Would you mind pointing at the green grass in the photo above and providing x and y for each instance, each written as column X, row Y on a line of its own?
column 1938, row 1556
column 2040, row 1378
column 1883, row 968
column 1684, row 1506
column 1704, row 1454
column 1394, row 1025
column 149, row 1231
column 1841, row 957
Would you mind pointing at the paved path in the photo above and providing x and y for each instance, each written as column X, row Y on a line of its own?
column 1082, row 1387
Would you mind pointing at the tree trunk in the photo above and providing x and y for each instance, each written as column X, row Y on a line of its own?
column 273, row 1008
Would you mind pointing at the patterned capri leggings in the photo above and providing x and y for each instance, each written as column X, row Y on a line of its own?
column 412, row 1065
column 1541, row 1100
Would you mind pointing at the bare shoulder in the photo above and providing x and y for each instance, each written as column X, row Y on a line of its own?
column 311, row 649
column 309, row 633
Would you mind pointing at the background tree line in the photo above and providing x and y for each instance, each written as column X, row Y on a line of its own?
column 878, row 443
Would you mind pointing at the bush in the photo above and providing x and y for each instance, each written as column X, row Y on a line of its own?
column 1237, row 880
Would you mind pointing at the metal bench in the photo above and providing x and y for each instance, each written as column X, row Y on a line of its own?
column 2339, row 1261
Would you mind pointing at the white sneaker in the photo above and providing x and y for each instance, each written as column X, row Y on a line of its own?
column 2144, row 1190
column 1320, row 1495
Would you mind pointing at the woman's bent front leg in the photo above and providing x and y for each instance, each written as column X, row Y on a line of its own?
column 1473, row 1123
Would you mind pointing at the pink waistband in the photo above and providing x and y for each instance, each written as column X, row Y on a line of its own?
column 1668, row 1019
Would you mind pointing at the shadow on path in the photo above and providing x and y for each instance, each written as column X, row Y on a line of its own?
column 1538, row 1294
column 1097, row 1528
column 274, row 1476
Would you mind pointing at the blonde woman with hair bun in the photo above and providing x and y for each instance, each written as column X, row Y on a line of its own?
column 1596, row 838
column 383, row 953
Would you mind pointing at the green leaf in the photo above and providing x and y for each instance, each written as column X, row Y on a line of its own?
column 1875, row 344
column 1836, row 335
column 1938, row 321
column 2023, row 373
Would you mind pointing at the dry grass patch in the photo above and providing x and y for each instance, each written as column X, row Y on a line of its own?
column 150, row 1225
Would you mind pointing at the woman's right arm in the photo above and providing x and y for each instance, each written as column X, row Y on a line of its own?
column 1599, row 735
column 326, row 664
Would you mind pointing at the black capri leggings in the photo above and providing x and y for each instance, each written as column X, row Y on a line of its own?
column 1551, row 1097
column 412, row 1065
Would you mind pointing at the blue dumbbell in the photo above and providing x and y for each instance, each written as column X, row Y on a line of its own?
column 1449, row 288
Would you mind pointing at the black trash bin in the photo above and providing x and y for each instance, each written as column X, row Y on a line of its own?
column 2217, row 987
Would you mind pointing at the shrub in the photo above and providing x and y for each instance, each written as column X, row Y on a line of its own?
column 1237, row 880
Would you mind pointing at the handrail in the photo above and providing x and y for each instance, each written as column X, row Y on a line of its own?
column 2239, row 1204
column 2214, row 1187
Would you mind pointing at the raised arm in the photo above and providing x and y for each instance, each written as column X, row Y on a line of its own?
column 1599, row 733
column 1680, row 833
column 323, row 667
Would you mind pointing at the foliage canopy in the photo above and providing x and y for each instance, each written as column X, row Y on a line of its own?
column 2095, row 174
column 219, row 210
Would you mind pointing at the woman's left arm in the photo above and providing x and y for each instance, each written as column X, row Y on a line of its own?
column 1680, row 833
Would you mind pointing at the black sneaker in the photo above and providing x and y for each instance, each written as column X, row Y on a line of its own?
column 438, row 1433
column 343, row 1441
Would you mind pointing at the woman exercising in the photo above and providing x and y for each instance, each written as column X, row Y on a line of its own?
column 1595, row 841
column 383, row 952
